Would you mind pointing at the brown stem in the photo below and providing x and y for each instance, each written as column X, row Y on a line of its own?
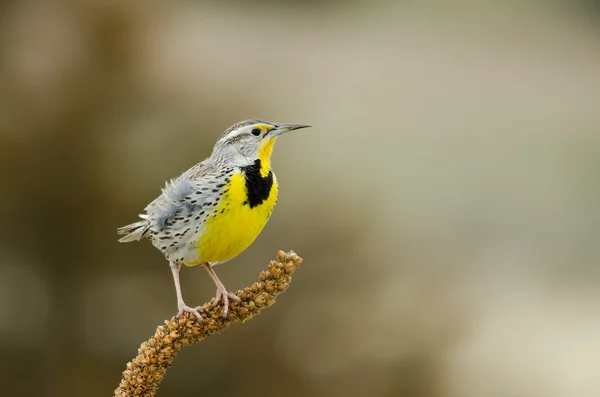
column 145, row 372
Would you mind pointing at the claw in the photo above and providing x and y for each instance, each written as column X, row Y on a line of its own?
column 194, row 310
column 223, row 295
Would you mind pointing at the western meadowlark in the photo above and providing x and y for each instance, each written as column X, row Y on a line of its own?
column 212, row 212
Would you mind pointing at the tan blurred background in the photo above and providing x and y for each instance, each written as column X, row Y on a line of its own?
column 446, row 202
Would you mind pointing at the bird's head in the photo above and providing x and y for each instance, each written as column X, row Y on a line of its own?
column 251, row 140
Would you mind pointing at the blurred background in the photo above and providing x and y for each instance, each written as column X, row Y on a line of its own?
column 446, row 201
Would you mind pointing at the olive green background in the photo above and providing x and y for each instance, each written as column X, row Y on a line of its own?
column 446, row 201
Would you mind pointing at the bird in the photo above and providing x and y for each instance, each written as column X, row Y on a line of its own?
column 216, row 209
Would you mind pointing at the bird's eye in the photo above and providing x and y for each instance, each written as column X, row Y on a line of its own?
column 256, row 132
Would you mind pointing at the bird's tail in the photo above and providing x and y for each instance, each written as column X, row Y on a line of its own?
column 133, row 232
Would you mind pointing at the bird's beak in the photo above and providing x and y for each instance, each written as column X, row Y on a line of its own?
column 282, row 128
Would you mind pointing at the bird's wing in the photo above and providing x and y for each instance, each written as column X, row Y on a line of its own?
column 176, row 201
column 183, row 196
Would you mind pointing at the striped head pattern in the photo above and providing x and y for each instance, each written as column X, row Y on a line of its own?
column 250, row 140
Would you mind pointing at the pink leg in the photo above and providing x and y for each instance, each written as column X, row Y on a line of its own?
column 222, row 293
column 181, row 306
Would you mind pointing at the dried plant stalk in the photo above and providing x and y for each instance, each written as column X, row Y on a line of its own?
column 145, row 372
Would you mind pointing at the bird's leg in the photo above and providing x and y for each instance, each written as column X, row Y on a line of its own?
column 181, row 306
column 222, row 293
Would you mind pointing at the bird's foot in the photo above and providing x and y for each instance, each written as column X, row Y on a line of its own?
column 223, row 295
column 182, row 307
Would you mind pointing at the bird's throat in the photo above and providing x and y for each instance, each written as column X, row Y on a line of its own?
column 258, row 187
column 264, row 155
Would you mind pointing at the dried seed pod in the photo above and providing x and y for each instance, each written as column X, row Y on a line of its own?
column 260, row 301
column 270, row 286
column 275, row 272
column 145, row 372
column 281, row 255
column 263, row 276
column 289, row 267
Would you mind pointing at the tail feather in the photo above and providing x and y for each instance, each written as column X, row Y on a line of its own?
column 133, row 232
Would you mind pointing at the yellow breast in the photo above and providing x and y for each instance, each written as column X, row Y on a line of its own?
column 238, row 220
